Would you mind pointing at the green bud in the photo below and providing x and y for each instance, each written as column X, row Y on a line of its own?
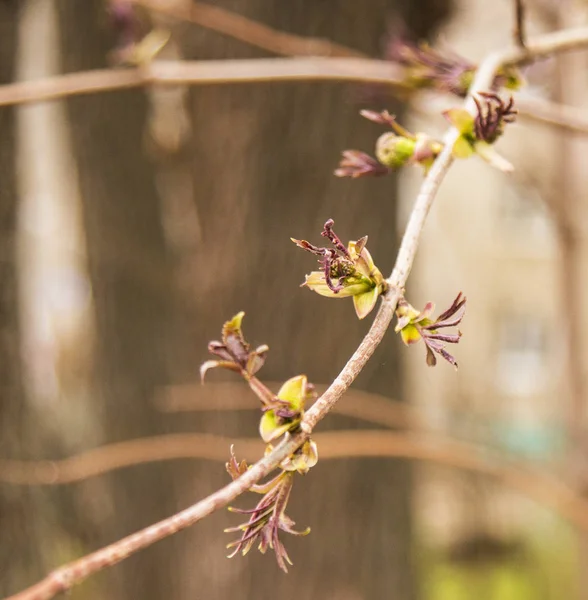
column 465, row 80
column 510, row 78
column 394, row 151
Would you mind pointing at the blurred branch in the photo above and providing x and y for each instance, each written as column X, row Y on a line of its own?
column 171, row 73
column 249, row 31
column 218, row 72
column 229, row 396
column 546, row 112
column 519, row 30
column 65, row 577
column 111, row 457
column 556, row 42
column 207, row 72
column 568, row 173
column 532, row 482
column 252, row 71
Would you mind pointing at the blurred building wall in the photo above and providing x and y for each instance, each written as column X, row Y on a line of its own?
column 500, row 239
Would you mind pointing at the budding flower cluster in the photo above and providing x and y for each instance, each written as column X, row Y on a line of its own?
column 267, row 518
column 394, row 149
column 345, row 271
column 414, row 326
column 427, row 68
column 480, row 131
column 281, row 414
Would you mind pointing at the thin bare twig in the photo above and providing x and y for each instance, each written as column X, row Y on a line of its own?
column 206, row 72
column 279, row 42
column 519, row 29
column 249, row 31
column 68, row 575
column 564, row 40
column 252, row 71
column 530, row 481
column 569, row 118
column 218, row 72
column 230, row 396
column 120, row 455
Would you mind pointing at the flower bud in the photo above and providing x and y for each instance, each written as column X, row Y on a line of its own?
column 393, row 150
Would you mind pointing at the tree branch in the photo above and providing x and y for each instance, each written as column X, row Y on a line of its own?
column 519, row 29
column 218, row 72
column 249, row 31
column 530, row 481
column 231, row 396
column 546, row 112
column 557, row 42
column 225, row 72
column 65, row 577
column 206, row 72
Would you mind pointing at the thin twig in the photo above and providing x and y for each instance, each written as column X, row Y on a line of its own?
column 546, row 112
column 285, row 44
column 519, row 30
column 249, row 31
column 67, row 576
column 564, row 40
column 171, row 73
column 216, row 72
column 231, row 396
column 206, row 72
column 537, row 484
column 121, row 455
column 525, row 478
column 279, row 42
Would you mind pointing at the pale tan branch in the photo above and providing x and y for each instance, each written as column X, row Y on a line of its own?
column 111, row 457
column 65, row 577
column 206, row 72
column 251, row 71
column 519, row 29
column 528, row 480
column 170, row 73
column 249, row 31
column 231, row 396
column 546, row 112
column 532, row 482
column 557, row 42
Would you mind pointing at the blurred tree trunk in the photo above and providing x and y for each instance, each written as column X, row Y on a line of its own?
column 131, row 280
column 20, row 550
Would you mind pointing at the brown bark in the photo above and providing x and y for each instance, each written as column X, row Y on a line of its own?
column 20, row 556
column 131, row 280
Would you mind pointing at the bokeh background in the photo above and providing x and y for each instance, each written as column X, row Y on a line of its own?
column 135, row 222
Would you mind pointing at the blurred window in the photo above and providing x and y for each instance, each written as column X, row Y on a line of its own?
column 524, row 222
column 521, row 355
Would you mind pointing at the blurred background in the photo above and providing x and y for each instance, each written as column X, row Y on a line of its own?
column 135, row 222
